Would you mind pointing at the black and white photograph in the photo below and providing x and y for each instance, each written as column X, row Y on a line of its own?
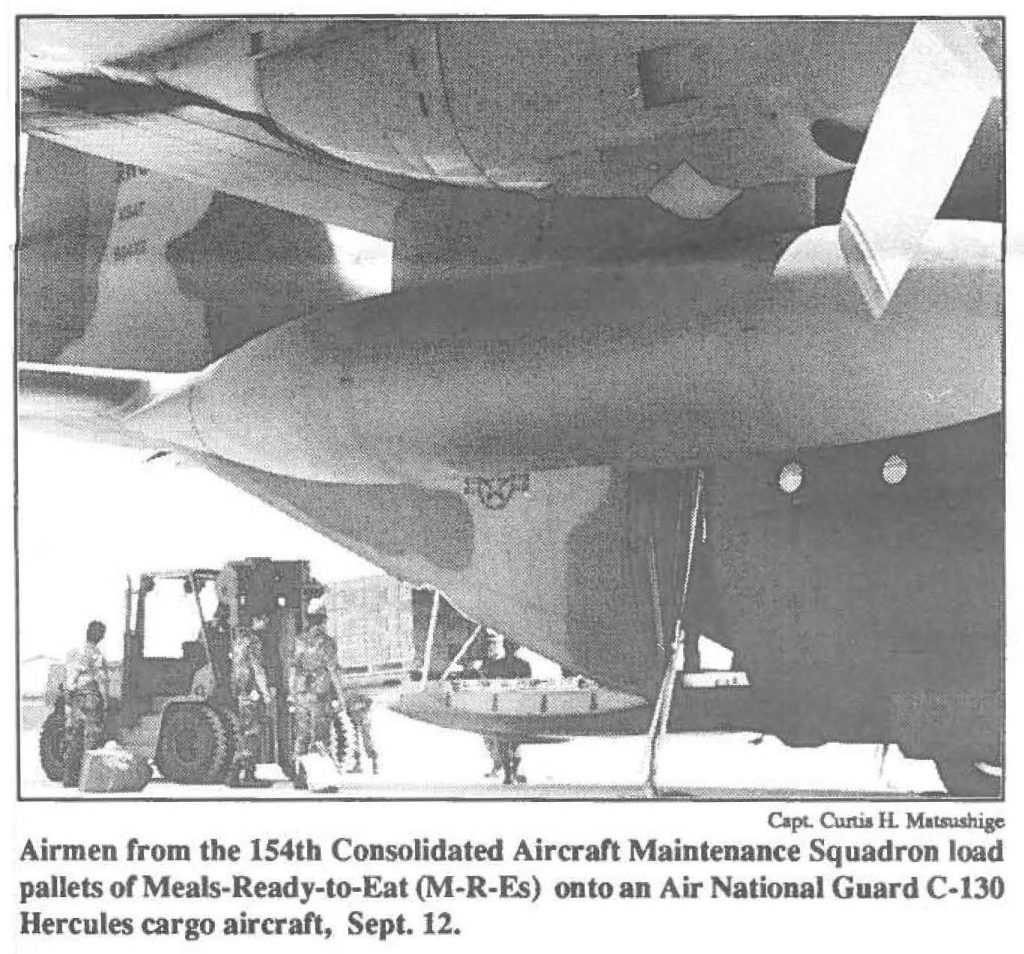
column 527, row 408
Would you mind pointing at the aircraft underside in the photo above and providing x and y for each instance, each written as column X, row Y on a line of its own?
column 860, row 610
column 721, row 377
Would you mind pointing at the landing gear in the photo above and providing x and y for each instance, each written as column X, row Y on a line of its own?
column 964, row 779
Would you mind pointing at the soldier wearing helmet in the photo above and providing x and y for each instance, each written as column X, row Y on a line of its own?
column 315, row 685
column 251, row 689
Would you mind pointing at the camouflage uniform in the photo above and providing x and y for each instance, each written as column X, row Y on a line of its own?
column 358, row 708
column 86, row 689
column 315, row 689
column 251, row 690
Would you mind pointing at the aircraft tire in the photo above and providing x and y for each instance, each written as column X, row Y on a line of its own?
column 51, row 745
column 963, row 778
column 193, row 748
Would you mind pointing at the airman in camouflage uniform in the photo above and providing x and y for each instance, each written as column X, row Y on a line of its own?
column 360, row 707
column 501, row 662
column 86, row 692
column 251, row 689
column 315, row 687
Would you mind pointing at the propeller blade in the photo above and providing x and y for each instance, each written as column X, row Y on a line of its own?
column 923, row 127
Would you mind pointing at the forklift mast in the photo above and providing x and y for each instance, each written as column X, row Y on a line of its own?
column 281, row 589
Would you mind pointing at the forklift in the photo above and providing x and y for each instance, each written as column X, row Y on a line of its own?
column 171, row 699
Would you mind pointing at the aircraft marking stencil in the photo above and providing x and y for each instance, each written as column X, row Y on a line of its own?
column 139, row 298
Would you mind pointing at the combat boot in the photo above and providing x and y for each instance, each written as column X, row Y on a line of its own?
column 249, row 780
column 236, row 777
column 243, row 775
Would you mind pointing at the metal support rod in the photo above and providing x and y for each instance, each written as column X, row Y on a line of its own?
column 128, row 604
column 129, row 643
column 450, row 668
column 663, row 706
column 677, row 656
column 428, row 649
column 695, row 526
column 203, row 635
column 698, row 494
column 652, row 570
column 883, row 756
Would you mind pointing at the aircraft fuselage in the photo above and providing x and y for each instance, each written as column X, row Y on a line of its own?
column 652, row 364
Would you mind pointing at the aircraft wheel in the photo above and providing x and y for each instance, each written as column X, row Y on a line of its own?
column 963, row 778
column 51, row 745
column 193, row 747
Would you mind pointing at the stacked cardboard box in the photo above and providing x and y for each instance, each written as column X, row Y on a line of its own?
column 371, row 620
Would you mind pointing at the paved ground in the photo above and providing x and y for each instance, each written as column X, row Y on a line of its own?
column 423, row 761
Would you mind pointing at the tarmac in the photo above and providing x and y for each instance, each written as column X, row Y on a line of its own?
column 424, row 762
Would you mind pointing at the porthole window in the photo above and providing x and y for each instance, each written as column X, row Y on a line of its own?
column 791, row 476
column 894, row 469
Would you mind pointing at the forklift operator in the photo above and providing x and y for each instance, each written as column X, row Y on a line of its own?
column 251, row 689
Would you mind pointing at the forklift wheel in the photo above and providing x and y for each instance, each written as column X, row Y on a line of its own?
column 51, row 745
column 193, row 747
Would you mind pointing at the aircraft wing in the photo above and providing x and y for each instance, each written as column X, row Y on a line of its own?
column 348, row 121
column 194, row 142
